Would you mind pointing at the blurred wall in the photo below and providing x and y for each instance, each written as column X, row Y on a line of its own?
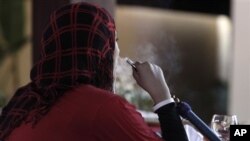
column 25, row 55
column 240, row 80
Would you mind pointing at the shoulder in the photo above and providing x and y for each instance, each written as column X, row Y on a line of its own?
column 89, row 93
column 90, row 89
column 96, row 98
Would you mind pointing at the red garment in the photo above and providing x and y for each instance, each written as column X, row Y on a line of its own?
column 88, row 113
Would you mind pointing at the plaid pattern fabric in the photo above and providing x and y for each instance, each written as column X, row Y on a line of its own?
column 77, row 48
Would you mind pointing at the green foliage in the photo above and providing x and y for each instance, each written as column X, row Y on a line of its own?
column 12, row 36
column 11, row 26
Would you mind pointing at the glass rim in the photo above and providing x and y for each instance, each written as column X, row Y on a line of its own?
column 228, row 115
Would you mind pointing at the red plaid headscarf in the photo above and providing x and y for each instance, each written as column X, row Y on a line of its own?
column 77, row 48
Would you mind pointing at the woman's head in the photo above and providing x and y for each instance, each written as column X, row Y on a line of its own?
column 77, row 48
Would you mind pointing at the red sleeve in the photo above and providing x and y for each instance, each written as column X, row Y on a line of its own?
column 117, row 120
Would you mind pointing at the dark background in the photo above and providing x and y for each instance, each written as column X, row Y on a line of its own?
column 203, row 6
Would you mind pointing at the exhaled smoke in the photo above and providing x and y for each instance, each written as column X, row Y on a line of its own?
column 126, row 86
column 145, row 51
column 162, row 50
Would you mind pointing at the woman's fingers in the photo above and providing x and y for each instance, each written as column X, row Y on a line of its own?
column 150, row 77
column 136, row 72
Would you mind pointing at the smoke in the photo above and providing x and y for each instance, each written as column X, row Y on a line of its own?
column 162, row 50
column 123, row 73
column 145, row 51
column 126, row 86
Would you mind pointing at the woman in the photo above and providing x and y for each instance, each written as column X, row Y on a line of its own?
column 70, row 97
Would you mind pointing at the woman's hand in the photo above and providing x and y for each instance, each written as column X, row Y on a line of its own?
column 150, row 77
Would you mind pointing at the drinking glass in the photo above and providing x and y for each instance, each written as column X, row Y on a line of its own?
column 220, row 124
